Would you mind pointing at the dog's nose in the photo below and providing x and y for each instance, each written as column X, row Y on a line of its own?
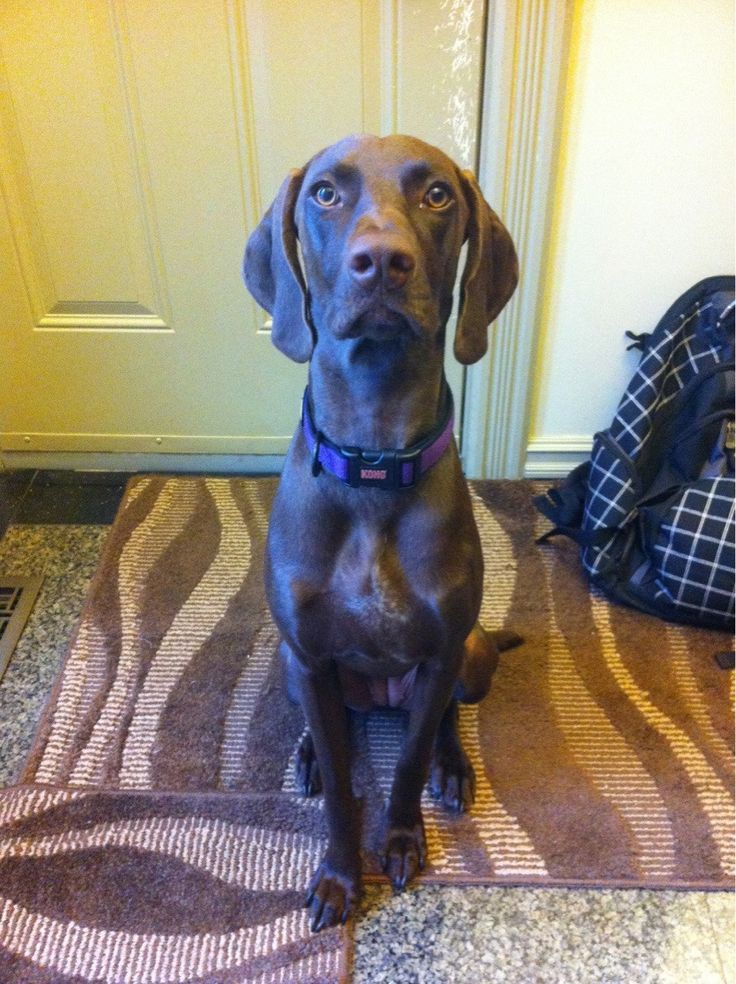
column 372, row 262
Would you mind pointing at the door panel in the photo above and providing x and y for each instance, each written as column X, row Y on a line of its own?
column 140, row 143
column 71, row 187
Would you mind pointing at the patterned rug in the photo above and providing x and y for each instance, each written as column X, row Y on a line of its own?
column 156, row 836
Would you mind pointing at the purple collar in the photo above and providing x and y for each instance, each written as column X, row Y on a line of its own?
column 387, row 469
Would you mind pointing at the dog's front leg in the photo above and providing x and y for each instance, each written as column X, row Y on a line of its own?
column 405, row 847
column 335, row 887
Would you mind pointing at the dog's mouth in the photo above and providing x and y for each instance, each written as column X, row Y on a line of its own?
column 380, row 324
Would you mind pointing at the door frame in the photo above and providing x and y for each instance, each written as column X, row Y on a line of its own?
column 526, row 57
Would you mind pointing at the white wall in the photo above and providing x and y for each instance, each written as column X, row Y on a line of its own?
column 644, row 202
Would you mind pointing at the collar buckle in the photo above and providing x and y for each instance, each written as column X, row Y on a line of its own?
column 380, row 469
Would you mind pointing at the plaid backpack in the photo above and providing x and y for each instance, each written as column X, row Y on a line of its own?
column 653, row 509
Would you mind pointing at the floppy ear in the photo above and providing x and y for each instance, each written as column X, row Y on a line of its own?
column 273, row 276
column 490, row 276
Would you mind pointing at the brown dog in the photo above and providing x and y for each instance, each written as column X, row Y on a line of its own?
column 374, row 568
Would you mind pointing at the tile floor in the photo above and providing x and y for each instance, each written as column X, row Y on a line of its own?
column 55, row 523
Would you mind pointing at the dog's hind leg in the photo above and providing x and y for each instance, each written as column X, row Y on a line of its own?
column 308, row 779
column 452, row 778
column 306, row 769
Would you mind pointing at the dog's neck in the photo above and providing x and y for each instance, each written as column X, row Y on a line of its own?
column 376, row 395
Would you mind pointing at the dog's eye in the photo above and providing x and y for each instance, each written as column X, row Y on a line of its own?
column 438, row 196
column 326, row 195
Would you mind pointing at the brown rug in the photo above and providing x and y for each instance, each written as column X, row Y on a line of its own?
column 156, row 835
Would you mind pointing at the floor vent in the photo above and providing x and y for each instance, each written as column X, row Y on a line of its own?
column 17, row 595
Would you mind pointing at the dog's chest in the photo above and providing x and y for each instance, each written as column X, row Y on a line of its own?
column 370, row 608
column 373, row 584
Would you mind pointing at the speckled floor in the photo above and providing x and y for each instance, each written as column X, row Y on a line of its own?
column 429, row 934
column 67, row 557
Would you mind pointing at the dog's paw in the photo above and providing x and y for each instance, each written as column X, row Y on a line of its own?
column 332, row 895
column 308, row 780
column 404, row 853
column 452, row 778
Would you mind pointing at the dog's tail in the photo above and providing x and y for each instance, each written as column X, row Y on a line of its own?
column 480, row 661
column 506, row 640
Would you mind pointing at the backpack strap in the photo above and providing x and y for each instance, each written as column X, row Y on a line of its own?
column 584, row 538
column 565, row 507
column 640, row 341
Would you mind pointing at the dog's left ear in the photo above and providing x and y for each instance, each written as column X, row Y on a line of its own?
column 490, row 276
column 272, row 273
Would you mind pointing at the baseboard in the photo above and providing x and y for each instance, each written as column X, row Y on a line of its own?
column 546, row 457
column 556, row 455
column 211, row 464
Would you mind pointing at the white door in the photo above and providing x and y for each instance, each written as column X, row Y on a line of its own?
column 141, row 141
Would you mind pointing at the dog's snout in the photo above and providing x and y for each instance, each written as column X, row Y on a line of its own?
column 375, row 260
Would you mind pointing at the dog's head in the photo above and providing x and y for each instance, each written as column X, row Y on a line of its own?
column 380, row 222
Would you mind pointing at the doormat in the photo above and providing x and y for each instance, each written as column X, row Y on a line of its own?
column 156, row 834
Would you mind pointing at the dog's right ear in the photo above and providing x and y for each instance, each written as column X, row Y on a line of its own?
column 272, row 273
